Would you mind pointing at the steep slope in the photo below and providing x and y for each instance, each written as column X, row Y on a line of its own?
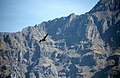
column 107, row 15
column 107, row 10
column 106, row 5
column 77, row 46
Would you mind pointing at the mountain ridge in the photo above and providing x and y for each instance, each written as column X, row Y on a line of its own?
column 71, row 41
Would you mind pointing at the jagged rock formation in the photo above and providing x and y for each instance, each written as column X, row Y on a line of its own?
column 78, row 46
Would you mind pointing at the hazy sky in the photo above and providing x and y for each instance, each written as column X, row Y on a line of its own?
column 18, row 14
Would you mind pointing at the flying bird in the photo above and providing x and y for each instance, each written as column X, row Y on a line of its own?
column 43, row 38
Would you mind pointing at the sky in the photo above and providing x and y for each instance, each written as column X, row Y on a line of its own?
column 18, row 14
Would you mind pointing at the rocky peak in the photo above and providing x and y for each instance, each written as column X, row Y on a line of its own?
column 106, row 5
column 72, row 15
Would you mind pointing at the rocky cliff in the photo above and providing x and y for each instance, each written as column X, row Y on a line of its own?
column 77, row 46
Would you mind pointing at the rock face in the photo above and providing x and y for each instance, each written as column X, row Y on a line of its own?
column 77, row 46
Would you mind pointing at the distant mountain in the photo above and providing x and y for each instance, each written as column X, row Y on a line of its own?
column 77, row 46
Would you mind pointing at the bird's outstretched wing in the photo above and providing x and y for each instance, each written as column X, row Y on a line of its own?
column 40, row 41
column 43, row 38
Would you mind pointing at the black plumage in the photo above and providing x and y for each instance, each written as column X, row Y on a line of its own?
column 43, row 38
